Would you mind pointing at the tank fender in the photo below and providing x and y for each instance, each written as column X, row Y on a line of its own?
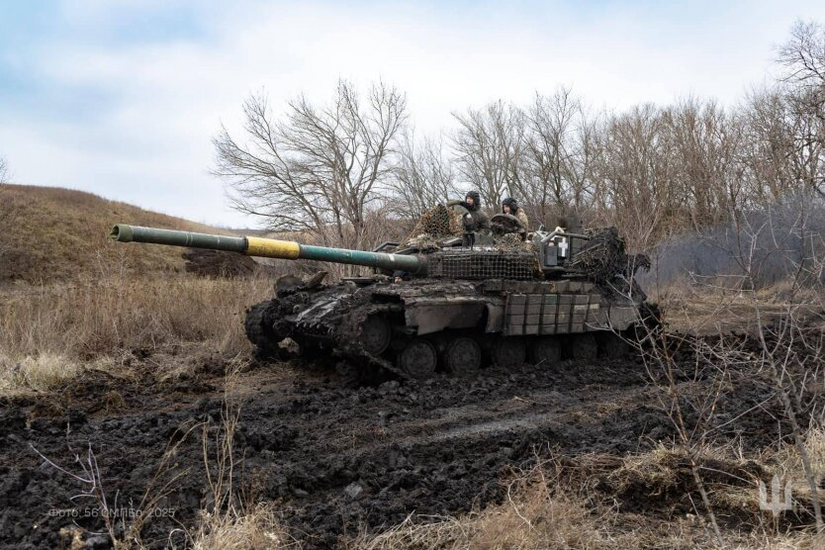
column 315, row 311
column 495, row 318
column 622, row 316
column 429, row 315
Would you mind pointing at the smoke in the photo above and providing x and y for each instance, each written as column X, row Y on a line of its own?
column 758, row 248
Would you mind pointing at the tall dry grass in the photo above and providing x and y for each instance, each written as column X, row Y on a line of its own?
column 259, row 528
column 48, row 333
column 576, row 504
column 541, row 511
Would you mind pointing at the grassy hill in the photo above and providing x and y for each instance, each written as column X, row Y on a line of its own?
column 51, row 234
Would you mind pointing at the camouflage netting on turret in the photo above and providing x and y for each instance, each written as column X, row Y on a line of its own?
column 604, row 259
column 512, row 242
column 435, row 225
column 441, row 223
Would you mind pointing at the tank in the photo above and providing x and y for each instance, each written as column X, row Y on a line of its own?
column 444, row 302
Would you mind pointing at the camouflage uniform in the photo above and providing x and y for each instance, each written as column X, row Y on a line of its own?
column 516, row 211
column 522, row 217
column 475, row 219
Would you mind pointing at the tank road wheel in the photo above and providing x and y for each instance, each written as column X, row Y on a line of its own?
column 376, row 334
column 584, row 347
column 309, row 350
column 545, row 350
column 260, row 333
column 509, row 352
column 462, row 356
column 419, row 359
column 612, row 345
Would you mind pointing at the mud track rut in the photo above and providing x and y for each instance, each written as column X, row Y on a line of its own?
column 335, row 460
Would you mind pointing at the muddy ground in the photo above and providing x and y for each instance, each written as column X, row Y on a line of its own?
column 335, row 458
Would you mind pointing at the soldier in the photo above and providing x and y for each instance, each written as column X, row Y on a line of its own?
column 478, row 220
column 510, row 206
column 474, row 220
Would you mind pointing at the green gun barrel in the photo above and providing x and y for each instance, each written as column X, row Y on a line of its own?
column 268, row 248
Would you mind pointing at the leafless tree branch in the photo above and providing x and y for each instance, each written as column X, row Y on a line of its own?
column 316, row 169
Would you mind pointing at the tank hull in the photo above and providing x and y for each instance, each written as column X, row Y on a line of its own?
column 416, row 328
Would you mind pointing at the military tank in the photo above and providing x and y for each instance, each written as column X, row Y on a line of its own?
column 437, row 303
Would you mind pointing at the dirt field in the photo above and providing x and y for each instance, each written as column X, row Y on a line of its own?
column 341, row 462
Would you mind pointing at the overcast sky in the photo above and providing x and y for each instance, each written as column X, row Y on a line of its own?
column 122, row 97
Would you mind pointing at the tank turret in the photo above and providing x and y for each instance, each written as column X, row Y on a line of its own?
column 547, row 254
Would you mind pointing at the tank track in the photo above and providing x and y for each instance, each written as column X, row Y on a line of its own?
column 265, row 329
column 353, row 351
column 260, row 332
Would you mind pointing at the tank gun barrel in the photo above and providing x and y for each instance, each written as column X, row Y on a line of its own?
column 267, row 248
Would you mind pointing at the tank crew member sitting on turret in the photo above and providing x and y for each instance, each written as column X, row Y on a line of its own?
column 472, row 203
column 474, row 220
column 510, row 206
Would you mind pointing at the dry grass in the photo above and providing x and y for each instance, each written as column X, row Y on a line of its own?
column 50, row 234
column 257, row 529
column 716, row 309
column 229, row 522
column 79, row 299
column 39, row 373
column 49, row 333
column 787, row 464
column 540, row 513
column 574, row 505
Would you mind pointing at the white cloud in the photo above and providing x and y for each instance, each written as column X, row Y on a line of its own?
column 153, row 147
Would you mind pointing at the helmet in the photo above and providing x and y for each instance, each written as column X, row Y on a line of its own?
column 511, row 202
column 476, row 199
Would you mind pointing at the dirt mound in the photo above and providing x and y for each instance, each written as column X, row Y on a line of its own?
column 217, row 263
column 663, row 479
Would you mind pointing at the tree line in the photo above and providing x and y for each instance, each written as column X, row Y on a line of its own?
column 351, row 171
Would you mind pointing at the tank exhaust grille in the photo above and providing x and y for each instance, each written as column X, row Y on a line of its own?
column 483, row 264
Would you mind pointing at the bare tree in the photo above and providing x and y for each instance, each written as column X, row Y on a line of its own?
column 803, row 57
column 489, row 146
column 705, row 142
column 790, row 349
column 4, row 171
column 780, row 152
column 331, row 170
column 559, row 157
column 768, row 147
column 635, row 171
column 424, row 177
column 318, row 169
column 584, row 161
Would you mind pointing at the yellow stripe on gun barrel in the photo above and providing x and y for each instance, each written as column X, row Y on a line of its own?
column 272, row 248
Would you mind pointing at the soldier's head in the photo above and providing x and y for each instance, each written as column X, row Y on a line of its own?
column 473, row 200
column 509, row 206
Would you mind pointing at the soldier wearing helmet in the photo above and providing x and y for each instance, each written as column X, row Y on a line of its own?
column 510, row 206
column 475, row 220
